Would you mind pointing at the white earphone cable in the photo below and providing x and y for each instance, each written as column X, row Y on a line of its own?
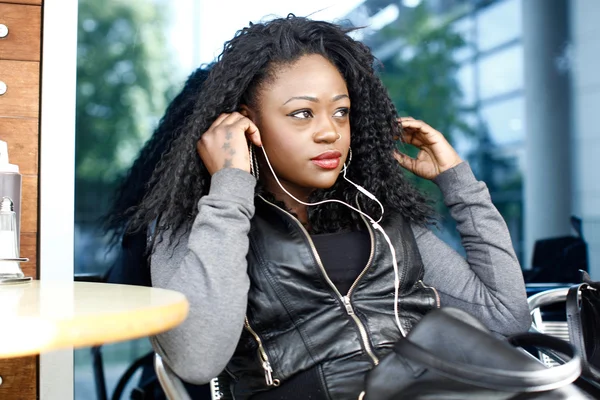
column 375, row 224
column 360, row 188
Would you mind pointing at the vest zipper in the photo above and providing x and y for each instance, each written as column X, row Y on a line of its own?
column 437, row 295
column 262, row 354
column 364, row 271
column 344, row 299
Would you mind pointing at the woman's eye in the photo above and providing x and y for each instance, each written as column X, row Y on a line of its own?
column 342, row 112
column 302, row 114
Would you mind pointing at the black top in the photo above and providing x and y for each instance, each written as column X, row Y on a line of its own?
column 344, row 256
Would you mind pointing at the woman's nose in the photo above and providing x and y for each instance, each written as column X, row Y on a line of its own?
column 326, row 133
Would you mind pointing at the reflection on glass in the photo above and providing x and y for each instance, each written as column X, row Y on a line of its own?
column 501, row 72
column 498, row 23
column 464, row 144
column 464, row 27
column 505, row 121
column 466, row 80
column 215, row 30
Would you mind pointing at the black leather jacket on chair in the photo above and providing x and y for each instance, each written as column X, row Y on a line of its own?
column 297, row 319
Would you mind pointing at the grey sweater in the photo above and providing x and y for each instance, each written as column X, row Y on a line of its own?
column 208, row 265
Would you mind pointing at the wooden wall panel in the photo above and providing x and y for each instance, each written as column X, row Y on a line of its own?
column 22, row 95
column 29, row 250
column 21, row 134
column 23, row 23
column 34, row 2
column 29, row 202
column 21, row 385
column 20, row 57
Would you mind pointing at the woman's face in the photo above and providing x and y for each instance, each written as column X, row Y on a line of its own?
column 304, row 123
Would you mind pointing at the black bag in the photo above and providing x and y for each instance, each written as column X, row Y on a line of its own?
column 583, row 317
column 451, row 355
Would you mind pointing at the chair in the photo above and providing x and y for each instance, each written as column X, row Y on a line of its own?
column 558, row 329
column 559, row 259
column 173, row 386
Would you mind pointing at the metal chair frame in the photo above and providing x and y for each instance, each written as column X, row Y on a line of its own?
column 556, row 329
column 173, row 386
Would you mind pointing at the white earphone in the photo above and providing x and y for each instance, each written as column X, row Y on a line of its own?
column 376, row 226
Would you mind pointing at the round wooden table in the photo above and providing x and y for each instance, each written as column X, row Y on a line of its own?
column 39, row 316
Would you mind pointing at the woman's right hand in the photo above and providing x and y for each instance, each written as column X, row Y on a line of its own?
column 225, row 143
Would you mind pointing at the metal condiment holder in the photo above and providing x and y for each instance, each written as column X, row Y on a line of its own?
column 12, row 278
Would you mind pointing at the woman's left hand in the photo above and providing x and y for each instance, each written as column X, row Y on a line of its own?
column 435, row 156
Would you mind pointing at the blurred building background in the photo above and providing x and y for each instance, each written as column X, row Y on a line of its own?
column 527, row 74
column 513, row 84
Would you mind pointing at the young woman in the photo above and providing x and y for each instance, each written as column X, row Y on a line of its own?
column 298, row 300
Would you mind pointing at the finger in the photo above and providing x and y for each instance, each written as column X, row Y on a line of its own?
column 219, row 119
column 251, row 130
column 232, row 119
column 411, row 137
column 419, row 126
column 406, row 161
column 422, row 134
column 402, row 119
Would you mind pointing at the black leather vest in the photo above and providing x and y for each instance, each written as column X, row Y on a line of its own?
column 297, row 319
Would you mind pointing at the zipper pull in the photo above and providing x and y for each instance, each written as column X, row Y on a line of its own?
column 268, row 372
column 348, row 305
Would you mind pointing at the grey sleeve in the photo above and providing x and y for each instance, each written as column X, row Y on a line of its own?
column 209, row 267
column 488, row 283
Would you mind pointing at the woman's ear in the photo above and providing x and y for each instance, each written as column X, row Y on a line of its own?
column 247, row 112
column 251, row 115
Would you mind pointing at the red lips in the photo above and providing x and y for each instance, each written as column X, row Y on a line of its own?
column 328, row 160
column 328, row 155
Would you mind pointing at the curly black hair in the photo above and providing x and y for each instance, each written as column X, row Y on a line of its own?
column 136, row 183
column 248, row 63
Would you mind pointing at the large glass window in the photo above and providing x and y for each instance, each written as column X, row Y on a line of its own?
column 491, row 78
column 501, row 72
column 466, row 80
column 498, row 23
column 465, row 27
column 505, row 121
